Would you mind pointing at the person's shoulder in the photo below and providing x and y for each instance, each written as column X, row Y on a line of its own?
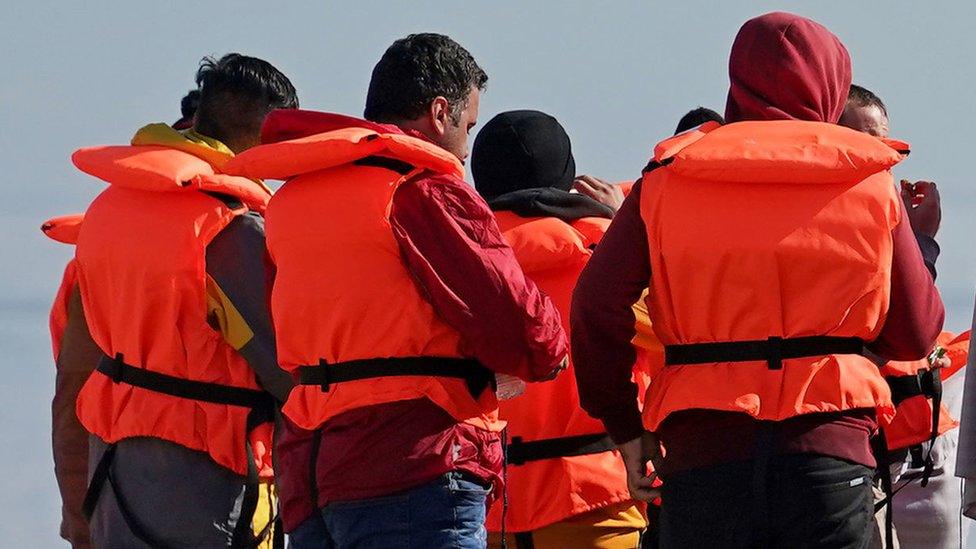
column 445, row 187
column 243, row 232
column 447, row 193
column 248, row 223
column 442, row 181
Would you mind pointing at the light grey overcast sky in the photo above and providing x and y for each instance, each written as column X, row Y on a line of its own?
column 617, row 74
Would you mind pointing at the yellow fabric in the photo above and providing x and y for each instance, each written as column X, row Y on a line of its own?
column 645, row 337
column 213, row 151
column 613, row 527
column 222, row 312
column 267, row 503
column 207, row 148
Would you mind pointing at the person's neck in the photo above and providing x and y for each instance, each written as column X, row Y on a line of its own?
column 419, row 126
column 236, row 143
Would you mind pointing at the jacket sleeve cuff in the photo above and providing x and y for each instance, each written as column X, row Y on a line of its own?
column 930, row 251
column 623, row 424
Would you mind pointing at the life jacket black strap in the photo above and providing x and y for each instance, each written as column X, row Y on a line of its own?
column 926, row 382
column 477, row 377
column 934, row 389
column 243, row 535
column 120, row 372
column 97, row 482
column 521, row 452
column 392, row 164
column 773, row 350
column 884, row 471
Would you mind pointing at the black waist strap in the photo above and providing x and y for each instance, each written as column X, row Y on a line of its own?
column 926, row 383
column 261, row 403
column 773, row 350
column 325, row 375
column 520, row 452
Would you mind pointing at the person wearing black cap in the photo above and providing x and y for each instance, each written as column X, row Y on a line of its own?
column 566, row 488
column 526, row 166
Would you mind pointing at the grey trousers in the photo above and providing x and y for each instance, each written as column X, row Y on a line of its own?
column 180, row 497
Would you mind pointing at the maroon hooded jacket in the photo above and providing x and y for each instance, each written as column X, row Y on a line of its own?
column 782, row 67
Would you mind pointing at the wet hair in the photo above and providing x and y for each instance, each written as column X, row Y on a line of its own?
column 236, row 92
column 697, row 117
column 416, row 70
column 860, row 96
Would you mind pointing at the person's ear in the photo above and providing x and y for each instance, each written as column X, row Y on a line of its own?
column 440, row 115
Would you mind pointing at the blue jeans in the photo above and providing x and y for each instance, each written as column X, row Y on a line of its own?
column 448, row 513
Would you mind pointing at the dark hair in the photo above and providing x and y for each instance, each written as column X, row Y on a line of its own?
column 862, row 97
column 189, row 104
column 417, row 69
column 188, row 108
column 236, row 92
column 697, row 117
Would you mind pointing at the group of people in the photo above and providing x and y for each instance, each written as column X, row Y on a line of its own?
column 756, row 334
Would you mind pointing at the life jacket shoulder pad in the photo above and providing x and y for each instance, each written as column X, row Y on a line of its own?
column 779, row 151
column 542, row 243
column 287, row 159
column 164, row 169
column 64, row 228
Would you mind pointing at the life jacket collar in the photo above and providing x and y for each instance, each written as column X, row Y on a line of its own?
column 287, row 159
column 543, row 243
column 778, row 151
column 164, row 169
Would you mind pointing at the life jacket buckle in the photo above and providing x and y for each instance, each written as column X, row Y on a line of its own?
column 113, row 367
column 774, row 353
column 513, row 452
column 324, row 373
column 927, row 382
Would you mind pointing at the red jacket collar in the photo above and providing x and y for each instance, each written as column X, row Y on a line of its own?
column 287, row 124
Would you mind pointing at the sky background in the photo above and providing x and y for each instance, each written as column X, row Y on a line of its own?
column 618, row 75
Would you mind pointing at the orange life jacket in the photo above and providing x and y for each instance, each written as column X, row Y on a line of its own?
column 62, row 229
column 343, row 301
column 916, row 390
column 770, row 246
column 141, row 258
column 560, row 461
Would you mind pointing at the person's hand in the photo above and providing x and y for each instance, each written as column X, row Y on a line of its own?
column 605, row 193
column 942, row 362
column 636, row 453
column 924, row 206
